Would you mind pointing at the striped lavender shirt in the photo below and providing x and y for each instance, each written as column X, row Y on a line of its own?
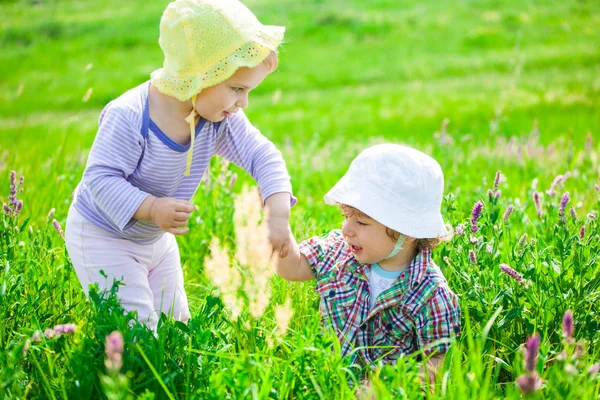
column 131, row 158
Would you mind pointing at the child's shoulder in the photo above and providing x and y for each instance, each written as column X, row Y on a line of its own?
column 327, row 248
column 134, row 98
column 331, row 239
column 129, row 105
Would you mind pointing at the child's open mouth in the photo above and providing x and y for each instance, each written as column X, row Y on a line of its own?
column 355, row 249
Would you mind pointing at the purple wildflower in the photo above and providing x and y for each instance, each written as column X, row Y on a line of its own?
column 561, row 209
column 58, row 228
column 497, row 180
column 531, row 353
column 473, row 240
column 529, row 383
column 559, row 179
column 65, row 329
column 538, row 206
column 7, row 209
column 490, row 194
column 114, row 351
column 51, row 214
column 475, row 215
column 594, row 369
column 582, row 232
column 472, row 257
column 512, row 273
column 597, row 187
column 573, row 213
column 489, row 248
column 49, row 333
column 508, row 211
column 13, row 184
column 18, row 207
column 567, row 324
column 459, row 230
column 497, row 194
column 592, row 216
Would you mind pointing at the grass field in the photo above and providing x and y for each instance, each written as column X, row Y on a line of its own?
column 482, row 85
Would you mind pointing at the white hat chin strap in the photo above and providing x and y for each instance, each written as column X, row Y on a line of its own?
column 397, row 247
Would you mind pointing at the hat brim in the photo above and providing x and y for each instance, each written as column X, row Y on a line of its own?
column 184, row 87
column 409, row 222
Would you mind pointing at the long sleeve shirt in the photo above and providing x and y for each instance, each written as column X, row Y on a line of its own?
column 418, row 312
column 131, row 158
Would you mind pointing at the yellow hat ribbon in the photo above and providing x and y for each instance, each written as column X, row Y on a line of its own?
column 191, row 119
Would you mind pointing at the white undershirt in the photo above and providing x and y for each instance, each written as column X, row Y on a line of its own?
column 380, row 280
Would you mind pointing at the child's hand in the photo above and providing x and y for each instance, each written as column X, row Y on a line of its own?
column 171, row 215
column 280, row 235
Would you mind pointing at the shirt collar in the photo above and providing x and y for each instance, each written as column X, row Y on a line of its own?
column 416, row 269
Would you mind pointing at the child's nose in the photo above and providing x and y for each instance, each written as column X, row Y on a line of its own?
column 347, row 228
column 243, row 102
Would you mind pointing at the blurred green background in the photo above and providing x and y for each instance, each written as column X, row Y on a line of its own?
column 482, row 85
column 350, row 71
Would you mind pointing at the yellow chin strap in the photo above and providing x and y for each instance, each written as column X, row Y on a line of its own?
column 191, row 119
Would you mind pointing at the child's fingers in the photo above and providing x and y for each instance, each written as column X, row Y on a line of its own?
column 181, row 216
column 177, row 231
column 184, row 206
column 179, row 224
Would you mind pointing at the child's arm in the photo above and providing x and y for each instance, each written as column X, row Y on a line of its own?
column 244, row 145
column 278, row 216
column 294, row 266
column 171, row 215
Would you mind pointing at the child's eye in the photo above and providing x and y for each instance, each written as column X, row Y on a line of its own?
column 361, row 223
column 237, row 89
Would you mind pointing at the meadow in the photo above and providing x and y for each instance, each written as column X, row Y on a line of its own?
column 505, row 94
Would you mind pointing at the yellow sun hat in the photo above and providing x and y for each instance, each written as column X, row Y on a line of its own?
column 206, row 41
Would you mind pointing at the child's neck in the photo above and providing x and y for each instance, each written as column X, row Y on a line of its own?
column 401, row 260
column 170, row 104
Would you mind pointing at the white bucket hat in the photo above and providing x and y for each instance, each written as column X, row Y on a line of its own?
column 397, row 186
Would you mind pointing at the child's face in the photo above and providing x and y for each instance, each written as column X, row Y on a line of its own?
column 367, row 238
column 220, row 101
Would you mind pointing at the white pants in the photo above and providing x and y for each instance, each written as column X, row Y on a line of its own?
column 151, row 273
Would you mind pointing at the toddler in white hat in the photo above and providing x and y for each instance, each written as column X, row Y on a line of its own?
column 381, row 292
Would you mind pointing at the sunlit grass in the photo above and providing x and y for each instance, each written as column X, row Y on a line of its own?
column 519, row 87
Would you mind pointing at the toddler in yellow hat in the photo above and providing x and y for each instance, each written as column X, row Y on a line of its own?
column 154, row 144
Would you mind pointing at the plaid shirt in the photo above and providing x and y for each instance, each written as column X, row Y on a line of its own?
column 418, row 312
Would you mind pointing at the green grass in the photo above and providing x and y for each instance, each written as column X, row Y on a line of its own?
column 351, row 74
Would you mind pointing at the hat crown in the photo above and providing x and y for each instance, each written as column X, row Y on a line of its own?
column 400, row 174
column 206, row 41
column 192, row 29
column 400, row 187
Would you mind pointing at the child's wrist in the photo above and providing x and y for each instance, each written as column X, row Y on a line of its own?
column 151, row 210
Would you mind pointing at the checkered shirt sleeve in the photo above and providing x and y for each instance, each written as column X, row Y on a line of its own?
column 438, row 322
column 320, row 251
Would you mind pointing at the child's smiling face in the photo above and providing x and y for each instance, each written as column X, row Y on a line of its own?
column 220, row 101
column 367, row 238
